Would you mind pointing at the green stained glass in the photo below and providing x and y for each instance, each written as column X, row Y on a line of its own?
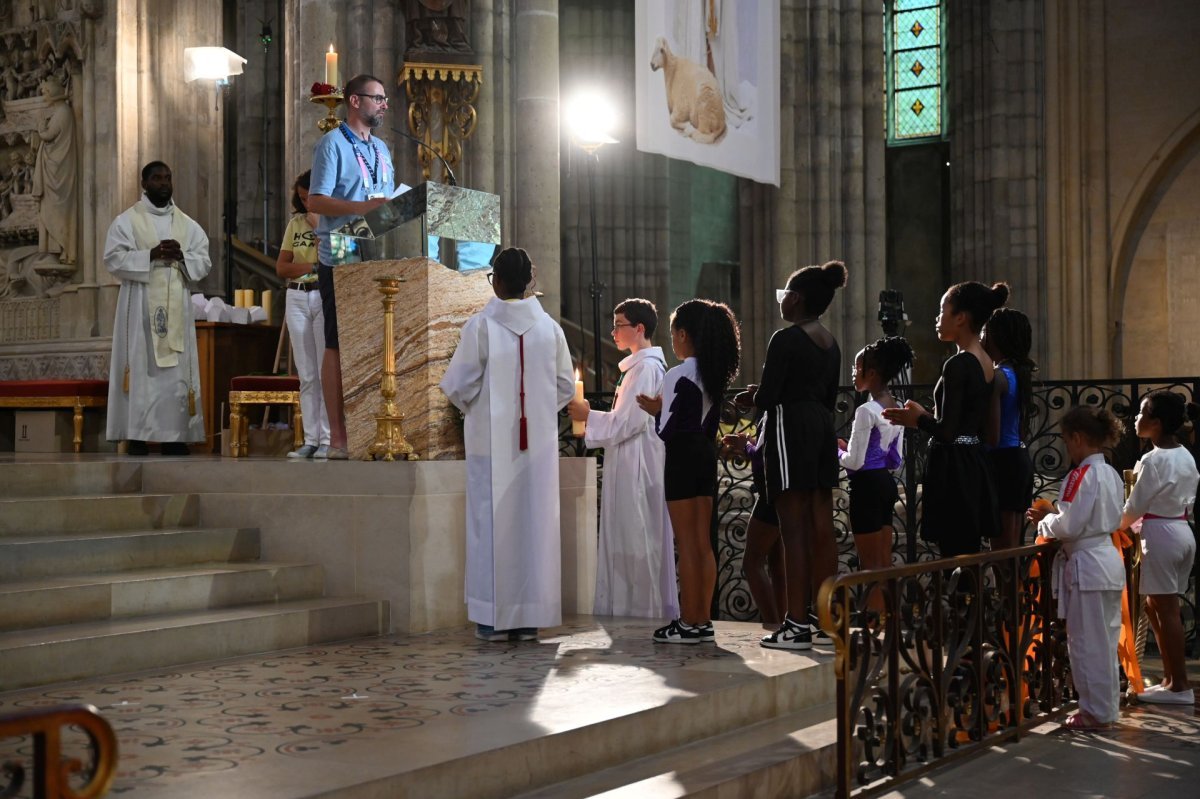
column 913, row 69
column 916, row 29
column 917, row 113
column 909, row 5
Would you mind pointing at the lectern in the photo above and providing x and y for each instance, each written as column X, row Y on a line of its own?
column 438, row 240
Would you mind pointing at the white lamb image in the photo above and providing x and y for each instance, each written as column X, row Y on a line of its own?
column 693, row 97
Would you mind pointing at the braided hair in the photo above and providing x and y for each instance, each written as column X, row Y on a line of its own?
column 713, row 329
column 1010, row 335
column 888, row 356
column 514, row 269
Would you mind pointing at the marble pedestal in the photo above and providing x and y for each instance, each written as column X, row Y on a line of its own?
column 431, row 308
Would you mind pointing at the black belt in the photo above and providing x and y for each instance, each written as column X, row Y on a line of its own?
column 297, row 286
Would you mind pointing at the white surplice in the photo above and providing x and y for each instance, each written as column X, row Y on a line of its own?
column 635, row 567
column 514, row 547
column 157, row 407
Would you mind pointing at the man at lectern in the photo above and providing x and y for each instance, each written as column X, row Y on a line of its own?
column 351, row 176
column 510, row 376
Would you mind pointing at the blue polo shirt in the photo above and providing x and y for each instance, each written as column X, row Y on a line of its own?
column 347, row 168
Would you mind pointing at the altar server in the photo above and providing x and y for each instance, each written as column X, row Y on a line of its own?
column 1089, row 574
column 635, row 567
column 510, row 376
column 154, row 375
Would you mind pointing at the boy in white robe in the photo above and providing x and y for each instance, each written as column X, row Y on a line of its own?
column 510, row 376
column 635, row 567
column 154, row 374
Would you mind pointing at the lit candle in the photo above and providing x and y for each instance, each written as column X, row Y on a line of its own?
column 331, row 67
column 577, row 428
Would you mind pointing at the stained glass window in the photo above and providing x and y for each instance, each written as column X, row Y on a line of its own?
column 913, row 33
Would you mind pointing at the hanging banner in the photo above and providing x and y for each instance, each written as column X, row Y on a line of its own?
column 707, row 77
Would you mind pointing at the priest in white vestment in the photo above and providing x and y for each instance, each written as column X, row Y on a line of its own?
column 510, row 376
column 154, row 375
column 635, row 567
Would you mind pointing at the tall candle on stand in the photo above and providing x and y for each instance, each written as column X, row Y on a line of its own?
column 577, row 428
column 331, row 76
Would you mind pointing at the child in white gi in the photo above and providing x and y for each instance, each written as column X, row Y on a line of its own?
column 1164, row 493
column 1089, row 575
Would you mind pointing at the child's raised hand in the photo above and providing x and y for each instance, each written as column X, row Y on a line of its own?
column 651, row 405
column 578, row 410
column 745, row 399
column 735, row 444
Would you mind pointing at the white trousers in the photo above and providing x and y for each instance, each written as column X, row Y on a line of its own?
column 1093, row 630
column 306, row 327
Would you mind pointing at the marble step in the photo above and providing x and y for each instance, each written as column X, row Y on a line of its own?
column 56, row 515
column 69, row 479
column 75, row 651
column 793, row 755
column 70, row 599
column 30, row 557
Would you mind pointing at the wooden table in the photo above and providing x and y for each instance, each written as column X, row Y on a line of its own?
column 226, row 351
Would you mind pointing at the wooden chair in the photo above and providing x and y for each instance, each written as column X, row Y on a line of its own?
column 51, row 394
column 261, row 390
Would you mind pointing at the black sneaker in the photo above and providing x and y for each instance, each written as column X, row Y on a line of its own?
column 707, row 633
column 790, row 636
column 819, row 636
column 137, row 448
column 678, row 633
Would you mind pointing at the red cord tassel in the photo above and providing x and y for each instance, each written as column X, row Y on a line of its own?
column 524, row 435
column 524, row 432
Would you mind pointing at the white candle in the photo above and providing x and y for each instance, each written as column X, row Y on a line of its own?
column 577, row 428
column 331, row 76
column 267, row 303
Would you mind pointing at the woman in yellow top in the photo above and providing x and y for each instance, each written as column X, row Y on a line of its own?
column 297, row 264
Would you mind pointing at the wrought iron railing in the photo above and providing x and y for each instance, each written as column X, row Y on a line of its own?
column 969, row 654
column 55, row 775
column 1051, row 399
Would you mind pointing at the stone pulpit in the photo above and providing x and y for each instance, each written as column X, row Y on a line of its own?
column 438, row 240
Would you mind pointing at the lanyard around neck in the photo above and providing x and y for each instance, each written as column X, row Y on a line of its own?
column 371, row 171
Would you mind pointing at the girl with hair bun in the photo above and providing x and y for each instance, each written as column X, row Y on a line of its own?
column 1007, row 338
column 704, row 336
column 1164, row 493
column 797, row 392
column 875, row 450
column 958, row 497
column 1089, row 572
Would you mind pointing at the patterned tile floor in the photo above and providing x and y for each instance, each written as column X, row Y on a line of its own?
column 289, row 723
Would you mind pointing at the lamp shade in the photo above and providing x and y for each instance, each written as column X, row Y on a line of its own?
column 210, row 63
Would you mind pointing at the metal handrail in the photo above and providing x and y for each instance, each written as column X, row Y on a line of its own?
column 967, row 652
column 52, row 772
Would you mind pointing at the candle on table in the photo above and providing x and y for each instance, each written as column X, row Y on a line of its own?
column 267, row 297
column 331, row 76
column 577, row 428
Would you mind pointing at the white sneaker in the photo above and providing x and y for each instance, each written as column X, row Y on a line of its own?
column 305, row 452
column 322, row 453
column 1164, row 697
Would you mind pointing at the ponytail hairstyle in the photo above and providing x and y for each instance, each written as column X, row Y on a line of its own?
column 977, row 300
column 514, row 269
column 1171, row 410
column 1011, row 335
column 1098, row 425
column 817, row 285
column 713, row 329
column 888, row 356
column 302, row 182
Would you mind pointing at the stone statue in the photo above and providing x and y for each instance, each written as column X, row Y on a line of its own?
column 436, row 26
column 54, row 176
column 11, row 88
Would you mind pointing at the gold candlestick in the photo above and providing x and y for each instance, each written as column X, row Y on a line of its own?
column 330, row 101
column 389, row 428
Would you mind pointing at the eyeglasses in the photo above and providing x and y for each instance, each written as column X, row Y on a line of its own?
column 781, row 293
column 379, row 99
column 489, row 275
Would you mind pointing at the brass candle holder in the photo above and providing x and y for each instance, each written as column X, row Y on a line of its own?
column 389, row 429
column 330, row 101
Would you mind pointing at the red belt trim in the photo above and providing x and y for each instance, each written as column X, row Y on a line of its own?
column 524, row 437
column 1171, row 518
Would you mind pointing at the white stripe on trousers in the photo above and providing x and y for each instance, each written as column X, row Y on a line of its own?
column 780, row 439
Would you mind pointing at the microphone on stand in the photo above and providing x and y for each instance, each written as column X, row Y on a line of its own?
column 449, row 172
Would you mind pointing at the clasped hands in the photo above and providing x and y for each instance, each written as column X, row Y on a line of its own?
column 167, row 250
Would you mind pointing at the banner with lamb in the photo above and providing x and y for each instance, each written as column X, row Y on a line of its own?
column 708, row 83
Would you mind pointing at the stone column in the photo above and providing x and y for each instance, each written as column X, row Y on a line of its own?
column 994, row 108
column 535, row 146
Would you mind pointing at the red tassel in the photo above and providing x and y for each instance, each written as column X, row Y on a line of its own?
column 524, row 436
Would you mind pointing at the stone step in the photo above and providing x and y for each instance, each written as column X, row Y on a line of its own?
column 29, row 557
column 76, row 651
column 69, row 479
column 75, row 598
column 793, row 755
column 111, row 513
